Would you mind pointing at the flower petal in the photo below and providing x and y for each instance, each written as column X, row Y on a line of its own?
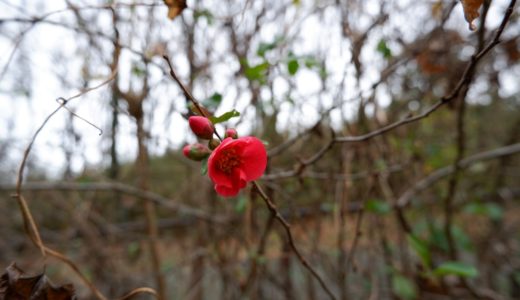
column 239, row 178
column 254, row 158
column 215, row 174
column 226, row 191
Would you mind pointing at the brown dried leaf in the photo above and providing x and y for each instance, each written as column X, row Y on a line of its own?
column 436, row 9
column 512, row 50
column 15, row 285
column 471, row 8
column 175, row 7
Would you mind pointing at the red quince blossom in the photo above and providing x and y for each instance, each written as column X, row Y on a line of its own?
column 235, row 162
column 202, row 127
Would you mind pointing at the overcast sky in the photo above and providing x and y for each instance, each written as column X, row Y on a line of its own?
column 50, row 77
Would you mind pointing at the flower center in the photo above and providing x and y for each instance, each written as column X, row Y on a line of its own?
column 228, row 161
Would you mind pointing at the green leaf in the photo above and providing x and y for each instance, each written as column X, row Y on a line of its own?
column 323, row 72
column 257, row 72
column 455, row 268
column 383, row 49
column 421, row 248
column 403, row 287
column 264, row 47
column 311, row 62
column 293, row 66
column 204, row 13
column 241, row 204
column 437, row 237
column 138, row 70
column 462, row 240
column 213, row 101
column 224, row 117
column 204, row 167
column 133, row 249
column 492, row 210
column 377, row 206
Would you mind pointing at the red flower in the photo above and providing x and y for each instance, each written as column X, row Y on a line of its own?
column 235, row 162
column 202, row 127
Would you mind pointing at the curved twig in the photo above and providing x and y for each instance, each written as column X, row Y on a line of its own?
column 29, row 223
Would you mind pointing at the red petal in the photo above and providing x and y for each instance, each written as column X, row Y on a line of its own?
column 239, row 178
column 226, row 191
column 215, row 174
column 254, row 158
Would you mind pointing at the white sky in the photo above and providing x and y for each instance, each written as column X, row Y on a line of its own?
column 25, row 115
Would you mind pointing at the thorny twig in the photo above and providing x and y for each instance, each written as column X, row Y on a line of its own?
column 460, row 145
column 29, row 223
column 462, row 83
column 270, row 205
column 405, row 199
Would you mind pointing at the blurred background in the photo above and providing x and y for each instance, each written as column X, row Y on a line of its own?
column 428, row 210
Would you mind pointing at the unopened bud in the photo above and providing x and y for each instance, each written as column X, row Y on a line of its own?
column 196, row 152
column 232, row 133
column 213, row 143
column 202, row 127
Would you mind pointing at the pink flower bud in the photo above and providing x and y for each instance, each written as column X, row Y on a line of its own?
column 202, row 127
column 196, row 151
column 213, row 143
column 232, row 133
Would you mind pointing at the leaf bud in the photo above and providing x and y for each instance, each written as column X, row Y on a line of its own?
column 213, row 143
column 196, row 151
column 232, row 133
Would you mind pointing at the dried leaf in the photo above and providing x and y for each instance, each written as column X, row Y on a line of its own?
column 471, row 8
column 15, row 285
column 437, row 9
column 429, row 64
column 175, row 7
column 512, row 50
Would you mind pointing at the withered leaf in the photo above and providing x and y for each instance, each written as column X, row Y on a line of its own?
column 15, row 285
column 175, row 7
column 471, row 8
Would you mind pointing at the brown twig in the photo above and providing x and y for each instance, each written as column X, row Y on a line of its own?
column 447, row 98
column 405, row 199
column 169, row 203
column 29, row 222
column 270, row 205
column 186, row 92
column 287, row 227
column 142, row 290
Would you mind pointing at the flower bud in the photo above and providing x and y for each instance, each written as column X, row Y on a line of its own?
column 202, row 127
column 232, row 133
column 213, row 143
column 196, row 152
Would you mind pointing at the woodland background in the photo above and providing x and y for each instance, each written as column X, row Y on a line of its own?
column 392, row 129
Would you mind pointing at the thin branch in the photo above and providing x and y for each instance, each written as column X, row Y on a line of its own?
column 29, row 222
column 287, row 227
column 186, row 92
column 452, row 95
column 437, row 175
column 163, row 201
column 270, row 205
column 142, row 290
